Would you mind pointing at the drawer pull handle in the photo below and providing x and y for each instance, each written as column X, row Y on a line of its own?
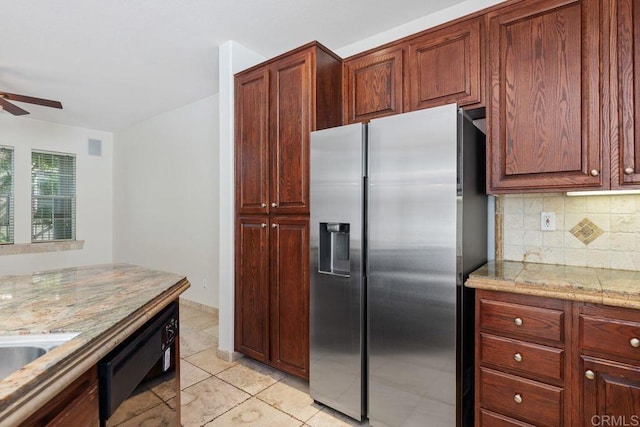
column 517, row 321
column 274, row 205
column 264, row 205
column 263, row 225
column 635, row 342
column 517, row 398
column 517, row 357
column 595, row 172
column 628, row 171
column 589, row 374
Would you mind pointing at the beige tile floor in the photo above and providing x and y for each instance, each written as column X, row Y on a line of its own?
column 217, row 393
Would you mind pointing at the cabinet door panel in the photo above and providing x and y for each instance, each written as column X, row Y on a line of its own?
column 373, row 85
column 444, row 67
column 291, row 104
column 290, row 294
column 626, row 156
column 252, row 287
column 252, row 142
column 545, row 105
column 614, row 391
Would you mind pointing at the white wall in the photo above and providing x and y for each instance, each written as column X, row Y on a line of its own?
column 166, row 196
column 417, row 25
column 94, row 192
column 233, row 58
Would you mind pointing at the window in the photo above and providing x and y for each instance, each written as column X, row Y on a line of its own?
column 6, row 195
column 53, row 196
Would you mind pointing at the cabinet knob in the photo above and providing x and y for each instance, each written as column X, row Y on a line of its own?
column 589, row 374
column 595, row 172
column 628, row 171
column 517, row 321
column 517, row 398
column 517, row 357
column 635, row 342
column 274, row 205
column 263, row 225
column 264, row 205
column 274, row 225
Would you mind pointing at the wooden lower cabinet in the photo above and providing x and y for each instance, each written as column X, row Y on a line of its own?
column 526, row 377
column 252, row 287
column 272, row 291
column 522, row 362
column 610, row 393
column 76, row 406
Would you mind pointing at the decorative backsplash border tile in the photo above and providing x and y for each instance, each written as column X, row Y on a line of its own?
column 615, row 245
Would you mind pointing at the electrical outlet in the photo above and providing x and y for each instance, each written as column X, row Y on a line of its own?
column 204, row 284
column 547, row 221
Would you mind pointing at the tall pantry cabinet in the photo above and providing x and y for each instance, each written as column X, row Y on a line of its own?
column 277, row 104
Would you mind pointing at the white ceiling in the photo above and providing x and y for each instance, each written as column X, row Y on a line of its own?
column 113, row 63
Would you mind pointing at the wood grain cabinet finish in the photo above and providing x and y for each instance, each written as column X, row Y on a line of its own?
column 290, row 294
column 608, row 375
column 252, row 287
column 625, row 91
column 252, row 142
column 591, row 378
column 522, row 360
column 444, row 66
column 76, row 405
column 373, row 85
column 278, row 104
column 545, row 104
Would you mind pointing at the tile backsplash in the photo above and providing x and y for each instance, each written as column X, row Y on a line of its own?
column 592, row 231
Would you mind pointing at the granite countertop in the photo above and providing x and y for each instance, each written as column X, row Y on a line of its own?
column 619, row 288
column 104, row 304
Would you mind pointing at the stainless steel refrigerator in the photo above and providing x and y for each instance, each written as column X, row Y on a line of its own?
column 398, row 220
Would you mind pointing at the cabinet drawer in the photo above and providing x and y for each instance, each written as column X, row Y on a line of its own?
column 610, row 336
column 489, row 419
column 526, row 358
column 522, row 399
column 522, row 320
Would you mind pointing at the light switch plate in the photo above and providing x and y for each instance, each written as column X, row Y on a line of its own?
column 547, row 221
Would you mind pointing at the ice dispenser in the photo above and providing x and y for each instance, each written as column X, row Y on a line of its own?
column 334, row 249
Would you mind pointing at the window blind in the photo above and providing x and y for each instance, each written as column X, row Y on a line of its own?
column 53, row 196
column 6, row 195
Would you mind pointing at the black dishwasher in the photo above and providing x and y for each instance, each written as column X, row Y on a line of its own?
column 144, row 363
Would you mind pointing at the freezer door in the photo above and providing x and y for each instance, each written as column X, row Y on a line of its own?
column 411, row 281
column 336, row 280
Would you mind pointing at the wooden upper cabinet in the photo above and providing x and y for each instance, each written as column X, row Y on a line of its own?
column 545, row 105
column 277, row 104
column 626, row 89
column 444, row 67
column 373, row 85
column 252, row 287
column 252, row 142
column 291, row 106
column 290, row 294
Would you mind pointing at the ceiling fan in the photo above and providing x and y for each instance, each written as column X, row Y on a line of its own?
column 17, row 111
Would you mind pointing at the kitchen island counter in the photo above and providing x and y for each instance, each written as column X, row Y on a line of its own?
column 618, row 288
column 103, row 304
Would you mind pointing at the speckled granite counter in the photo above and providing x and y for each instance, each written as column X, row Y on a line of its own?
column 618, row 288
column 104, row 304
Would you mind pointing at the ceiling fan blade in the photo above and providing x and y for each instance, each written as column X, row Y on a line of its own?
column 31, row 100
column 10, row 108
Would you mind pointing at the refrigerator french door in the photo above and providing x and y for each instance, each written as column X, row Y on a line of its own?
column 398, row 219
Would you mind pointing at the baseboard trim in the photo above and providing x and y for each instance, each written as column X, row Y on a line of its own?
column 199, row 306
column 229, row 356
